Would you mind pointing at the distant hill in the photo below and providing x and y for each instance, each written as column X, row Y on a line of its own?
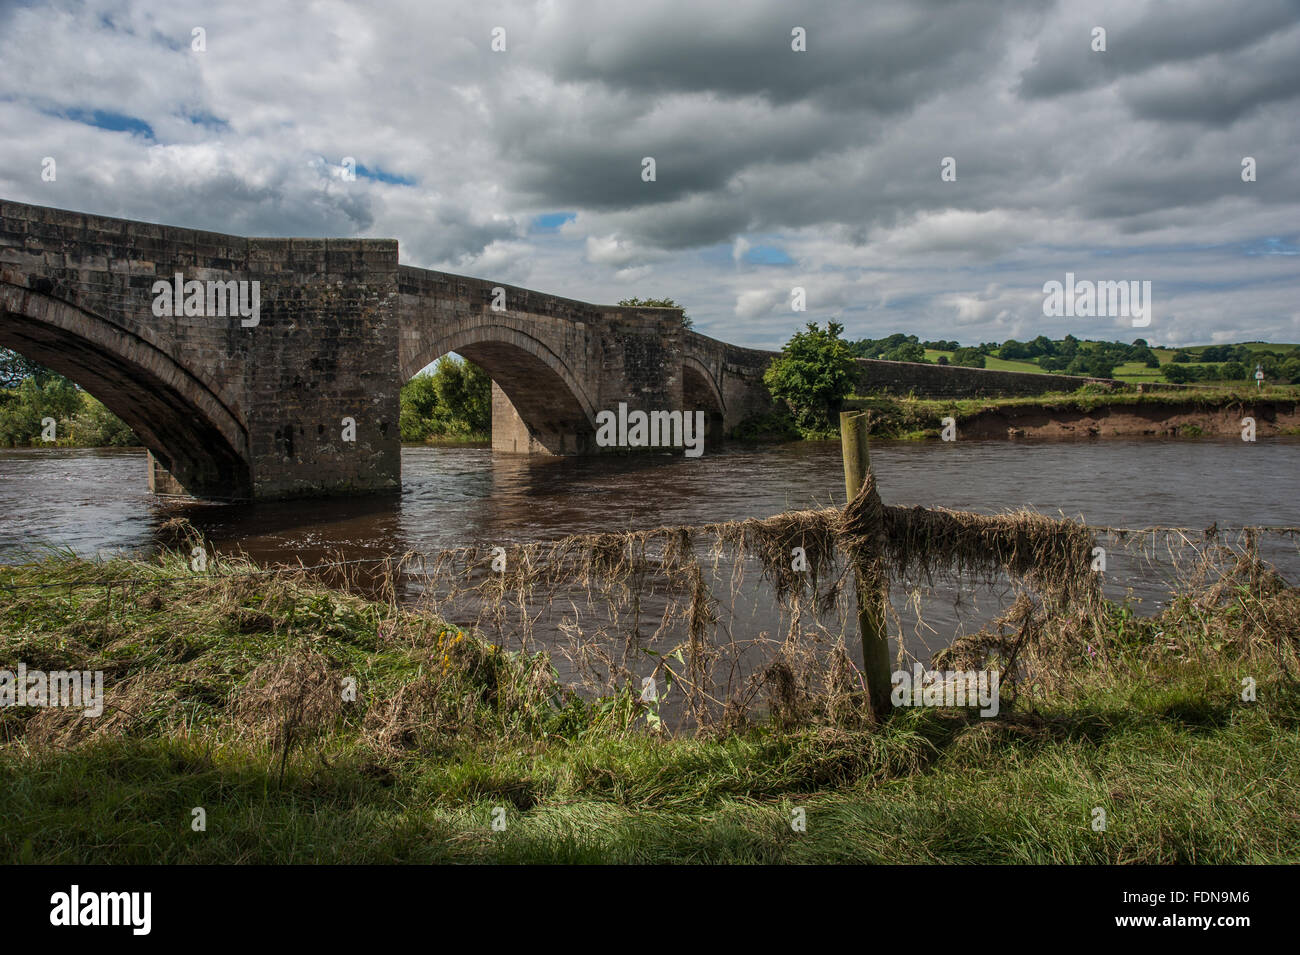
column 1135, row 361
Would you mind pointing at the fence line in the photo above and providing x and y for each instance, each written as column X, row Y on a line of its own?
column 1207, row 533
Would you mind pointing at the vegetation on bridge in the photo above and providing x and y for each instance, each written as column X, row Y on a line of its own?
column 687, row 321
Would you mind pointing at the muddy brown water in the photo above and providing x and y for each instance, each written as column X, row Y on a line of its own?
column 95, row 502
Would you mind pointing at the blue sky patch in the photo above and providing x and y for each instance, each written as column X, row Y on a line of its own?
column 1273, row 245
column 117, row 122
column 207, row 121
column 767, row 255
column 551, row 221
column 383, row 175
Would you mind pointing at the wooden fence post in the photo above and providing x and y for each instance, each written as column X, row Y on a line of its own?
column 871, row 592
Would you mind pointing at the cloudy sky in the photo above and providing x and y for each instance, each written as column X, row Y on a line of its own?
column 774, row 168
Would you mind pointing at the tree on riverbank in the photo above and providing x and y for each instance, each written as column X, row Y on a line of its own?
column 453, row 401
column 812, row 376
column 31, row 393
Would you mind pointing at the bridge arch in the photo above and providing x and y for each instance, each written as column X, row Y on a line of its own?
column 700, row 392
column 187, row 428
column 539, row 391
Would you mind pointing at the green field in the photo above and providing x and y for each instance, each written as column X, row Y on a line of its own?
column 1135, row 372
column 990, row 362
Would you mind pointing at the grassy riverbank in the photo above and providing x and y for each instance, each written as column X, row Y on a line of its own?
column 223, row 692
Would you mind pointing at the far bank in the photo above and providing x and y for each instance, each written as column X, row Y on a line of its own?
column 1089, row 412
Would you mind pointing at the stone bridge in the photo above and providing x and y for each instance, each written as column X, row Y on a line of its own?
column 303, row 396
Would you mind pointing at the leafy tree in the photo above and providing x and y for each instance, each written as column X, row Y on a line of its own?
column 687, row 321
column 94, row 426
column 908, row 351
column 1012, row 349
column 1042, row 345
column 419, row 403
column 16, row 368
column 24, row 407
column 1144, row 354
column 1091, row 364
column 30, row 392
column 465, row 393
column 968, row 357
column 455, row 400
column 1218, row 353
column 1180, row 374
column 812, row 376
column 1235, row 371
column 895, row 347
column 1181, row 357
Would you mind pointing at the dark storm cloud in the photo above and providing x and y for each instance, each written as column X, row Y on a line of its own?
column 1163, row 33
column 568, row 162
column 1221, row 90
column 881, row 57
column 709, row 95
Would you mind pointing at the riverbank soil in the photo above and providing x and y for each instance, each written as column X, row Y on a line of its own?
column 1089, row 413
column 1164, row 420
column 254, row 717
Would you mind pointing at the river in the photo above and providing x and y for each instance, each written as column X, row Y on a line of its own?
column 96, row 503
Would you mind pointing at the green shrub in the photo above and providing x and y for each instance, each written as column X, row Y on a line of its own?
column 812, row 376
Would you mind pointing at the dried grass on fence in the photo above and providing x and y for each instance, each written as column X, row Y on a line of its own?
column 679, row 604
column 745, row 619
